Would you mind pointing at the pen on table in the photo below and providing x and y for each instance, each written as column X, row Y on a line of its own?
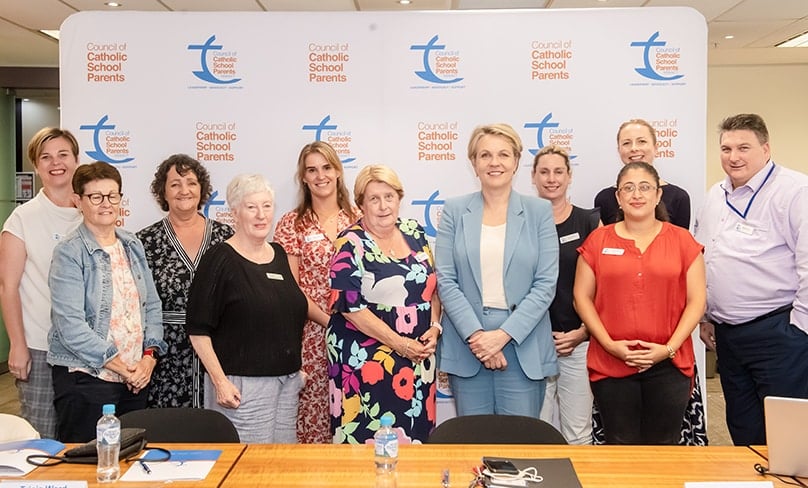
column 145, row 467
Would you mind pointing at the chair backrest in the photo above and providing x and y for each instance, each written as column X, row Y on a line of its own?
column 495, row 429
column 182, row 425
column 13, row 428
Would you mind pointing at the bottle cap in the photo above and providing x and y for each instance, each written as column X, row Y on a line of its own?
column 108, row 409
column 386, row 420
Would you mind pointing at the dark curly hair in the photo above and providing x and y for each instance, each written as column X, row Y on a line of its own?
column 182, row 163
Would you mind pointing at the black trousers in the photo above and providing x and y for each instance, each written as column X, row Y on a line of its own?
column 78, row 399
column 645, row 408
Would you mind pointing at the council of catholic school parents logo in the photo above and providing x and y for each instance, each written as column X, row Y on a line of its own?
column 218, row 66
column 548, row 132
column 108, row 144
column 660, row 62
column 339, row 140
column 429, row 227
column 442, row 69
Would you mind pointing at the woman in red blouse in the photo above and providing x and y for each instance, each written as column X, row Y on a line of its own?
column 640, row 290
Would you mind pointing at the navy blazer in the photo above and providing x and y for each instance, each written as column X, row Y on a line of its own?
column 530, row 270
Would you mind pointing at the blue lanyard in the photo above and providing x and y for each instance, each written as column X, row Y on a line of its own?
column 754, row 195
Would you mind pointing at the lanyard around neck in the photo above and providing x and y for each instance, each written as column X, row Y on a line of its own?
column 754, row 195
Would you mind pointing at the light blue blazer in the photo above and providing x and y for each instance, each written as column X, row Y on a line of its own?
column 530, row 273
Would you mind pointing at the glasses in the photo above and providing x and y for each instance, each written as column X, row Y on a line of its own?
column 630, row 188
column 96, row 198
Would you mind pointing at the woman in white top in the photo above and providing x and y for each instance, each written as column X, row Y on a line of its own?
column 26, row 245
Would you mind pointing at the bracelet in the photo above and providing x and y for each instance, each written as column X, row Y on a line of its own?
column 671, row 352
column 406, row 349
column 437, row 326
column 150, row 352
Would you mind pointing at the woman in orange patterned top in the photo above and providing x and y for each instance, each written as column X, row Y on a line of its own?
column 307, row 234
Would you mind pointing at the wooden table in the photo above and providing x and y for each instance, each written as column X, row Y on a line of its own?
column 422, row 465
column 86, row 472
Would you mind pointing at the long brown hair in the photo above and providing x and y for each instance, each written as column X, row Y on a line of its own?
column 304, row 203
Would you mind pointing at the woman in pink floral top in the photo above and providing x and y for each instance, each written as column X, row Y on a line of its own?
column 307, row 234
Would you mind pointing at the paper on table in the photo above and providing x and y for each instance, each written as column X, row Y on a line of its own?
column 184, row 465
column 43, row 484
column 13, row 455
column 729, row 484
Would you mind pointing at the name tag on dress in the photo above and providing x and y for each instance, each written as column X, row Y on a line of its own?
column 569, row 238
column 314, row 237
column 613, row 251
column 421, row 257
column 275, row 276
column 744, row 229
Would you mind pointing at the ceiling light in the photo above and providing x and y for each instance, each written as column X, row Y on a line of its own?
column 113, row 4
column 51, row 33
column 404, row 2
column 729, row 37
column 799, row 41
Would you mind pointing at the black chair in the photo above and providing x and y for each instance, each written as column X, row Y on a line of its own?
column 195, row 425
column 495, row 429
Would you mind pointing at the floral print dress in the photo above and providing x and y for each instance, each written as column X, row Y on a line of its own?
column 367, row 378
column 307, row 240
column 177, row 380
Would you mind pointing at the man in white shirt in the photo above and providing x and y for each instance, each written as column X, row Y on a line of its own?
column 754, row 226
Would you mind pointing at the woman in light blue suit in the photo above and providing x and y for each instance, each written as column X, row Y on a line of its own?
column 497, row 264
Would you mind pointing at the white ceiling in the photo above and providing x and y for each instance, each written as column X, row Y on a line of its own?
column 757, row 25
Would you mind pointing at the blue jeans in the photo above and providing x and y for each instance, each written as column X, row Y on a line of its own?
column 502, row 392
column 759, row 359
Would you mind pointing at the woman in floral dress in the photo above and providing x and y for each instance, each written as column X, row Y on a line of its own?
column 384, row 328
column 174, row 245
column 307, row 235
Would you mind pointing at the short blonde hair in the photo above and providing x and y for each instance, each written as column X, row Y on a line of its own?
column 378, row 173
column 552, row 149
column 35, row 145
column 503, row 130
column 244, row 184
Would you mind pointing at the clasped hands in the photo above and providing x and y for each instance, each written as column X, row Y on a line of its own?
column 639, row 354
column 486, row 345
column 420, row 349
column 136, row 376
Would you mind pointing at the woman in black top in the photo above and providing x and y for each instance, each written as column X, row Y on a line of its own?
column 245, row 320
column 636, row 141
column 568, row 398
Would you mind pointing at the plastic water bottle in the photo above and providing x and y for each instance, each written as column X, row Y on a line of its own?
column 108, row 439
column 386, row 453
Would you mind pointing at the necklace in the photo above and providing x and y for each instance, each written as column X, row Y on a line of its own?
column 329, row 219
column 385, row 245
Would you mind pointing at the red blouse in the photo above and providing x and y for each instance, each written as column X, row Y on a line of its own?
column 639, row 295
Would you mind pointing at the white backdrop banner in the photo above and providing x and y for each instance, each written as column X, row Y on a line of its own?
column 243, row 92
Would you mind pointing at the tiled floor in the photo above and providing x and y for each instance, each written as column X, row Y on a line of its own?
column 716, row 426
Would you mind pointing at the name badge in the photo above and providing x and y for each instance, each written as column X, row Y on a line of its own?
column 613, row 251
column 314, row 237
column 569, row 238
column 421, row 257
column 275, row 276
column 744, row 229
